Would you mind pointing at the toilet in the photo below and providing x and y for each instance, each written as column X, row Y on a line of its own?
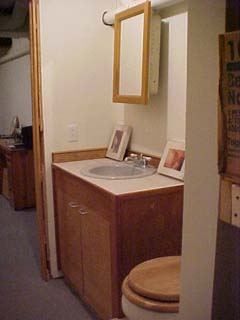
column 151, row 290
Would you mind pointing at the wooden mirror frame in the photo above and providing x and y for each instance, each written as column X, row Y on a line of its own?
column 145, row 9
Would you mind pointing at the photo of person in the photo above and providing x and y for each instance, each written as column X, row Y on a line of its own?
column 174, row 159
column 116, row 141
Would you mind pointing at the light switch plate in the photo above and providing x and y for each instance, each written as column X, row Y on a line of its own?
column 235, row 205
column 73, row 132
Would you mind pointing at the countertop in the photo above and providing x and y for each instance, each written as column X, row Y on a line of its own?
column 122, row 186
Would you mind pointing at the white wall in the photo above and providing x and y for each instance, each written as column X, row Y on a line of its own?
column 77, row 85
column 164, row 117
column 15, row 93
column 77, row 54
column 177, row 77
column 206, row 21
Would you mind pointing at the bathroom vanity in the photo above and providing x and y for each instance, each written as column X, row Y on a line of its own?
column 106, row 227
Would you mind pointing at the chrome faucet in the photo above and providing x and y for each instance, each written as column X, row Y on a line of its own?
column 138, row 160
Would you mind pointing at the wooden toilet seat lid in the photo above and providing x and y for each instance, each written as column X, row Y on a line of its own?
column 157, row 279
column 146, row 303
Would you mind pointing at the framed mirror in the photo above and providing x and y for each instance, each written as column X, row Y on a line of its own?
column 131, row 55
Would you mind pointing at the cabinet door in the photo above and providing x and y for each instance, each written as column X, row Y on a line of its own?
column 97, row 263
column 150, row 227
column 60, row 206
column 70, row 243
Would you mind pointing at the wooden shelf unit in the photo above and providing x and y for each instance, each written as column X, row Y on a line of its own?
column 19, row 164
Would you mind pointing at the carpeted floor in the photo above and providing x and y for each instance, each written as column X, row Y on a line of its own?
column 23, row 295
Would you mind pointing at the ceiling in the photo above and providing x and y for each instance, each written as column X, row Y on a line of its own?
column 13, row 23
column 13, row 18
column 6, row 4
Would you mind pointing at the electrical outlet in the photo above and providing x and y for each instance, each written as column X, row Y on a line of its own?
column 73, row 132
column 235, row 205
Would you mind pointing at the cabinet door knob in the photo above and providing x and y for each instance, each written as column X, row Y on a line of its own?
column 83, row 211
column 73, row 204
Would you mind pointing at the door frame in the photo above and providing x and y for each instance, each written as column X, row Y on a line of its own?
column 38, row 138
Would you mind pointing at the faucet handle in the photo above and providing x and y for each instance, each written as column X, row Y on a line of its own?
column 132, row 158
column 133, row 155
column 146, row 160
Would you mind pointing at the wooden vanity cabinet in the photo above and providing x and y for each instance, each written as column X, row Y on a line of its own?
column 101, row 237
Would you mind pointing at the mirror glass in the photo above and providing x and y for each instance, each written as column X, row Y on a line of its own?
column 131, row 55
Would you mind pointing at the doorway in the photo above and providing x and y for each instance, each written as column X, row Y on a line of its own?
column 24, row 100
column 38, row 136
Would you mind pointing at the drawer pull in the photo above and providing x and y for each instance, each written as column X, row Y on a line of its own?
column 73, row 204
column 83, row 211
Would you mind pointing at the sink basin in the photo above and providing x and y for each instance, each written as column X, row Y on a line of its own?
column 116, row 171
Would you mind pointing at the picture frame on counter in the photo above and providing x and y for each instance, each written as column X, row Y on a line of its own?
column 172, row 163
column 118, row 142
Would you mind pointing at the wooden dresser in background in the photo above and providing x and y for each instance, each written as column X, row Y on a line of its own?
column 17, row 175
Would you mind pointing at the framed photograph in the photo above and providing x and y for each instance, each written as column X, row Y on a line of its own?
column 119, row 141
column 172, row 163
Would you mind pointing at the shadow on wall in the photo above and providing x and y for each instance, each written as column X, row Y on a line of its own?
column 150, row 122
